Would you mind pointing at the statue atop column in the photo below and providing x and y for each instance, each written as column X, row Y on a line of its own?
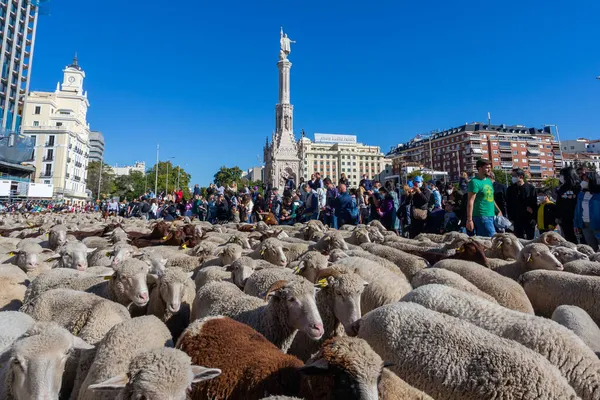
column 285, row 45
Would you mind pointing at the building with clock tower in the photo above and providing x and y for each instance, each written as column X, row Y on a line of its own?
column 58, row 123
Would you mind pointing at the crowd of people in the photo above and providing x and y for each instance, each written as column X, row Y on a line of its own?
column 477, row 205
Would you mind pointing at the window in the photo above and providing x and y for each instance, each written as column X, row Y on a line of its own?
column 36, row 123
column 59, row 124
column 524, row 153
column 51, row 140
column 495, row 151
column 522, row 144
column 516, row 153
column 38, row 110
column 524, row 160
column 514, row 145
column 495, row 159
column 516, row 160
column 573, row 148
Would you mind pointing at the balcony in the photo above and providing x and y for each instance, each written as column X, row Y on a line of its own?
column 78, row 164
column 49, row 144
column 506, row 165
column 67, row 175
column 533, row 151
column 49, row 158
column 46, row 174
column 76, row 178
column 534, row 160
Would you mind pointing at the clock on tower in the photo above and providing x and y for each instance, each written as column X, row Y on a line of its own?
column 73, row 77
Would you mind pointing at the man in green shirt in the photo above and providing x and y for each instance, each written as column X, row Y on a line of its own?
column 481, row 205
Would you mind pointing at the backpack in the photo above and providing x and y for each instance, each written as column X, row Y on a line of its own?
column 354, row 209
column 146, row 208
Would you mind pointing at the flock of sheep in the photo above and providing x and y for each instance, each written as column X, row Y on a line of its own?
column 130, row 309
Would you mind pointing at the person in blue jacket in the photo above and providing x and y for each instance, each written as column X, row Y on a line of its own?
column 343, row 206
column 587, row 210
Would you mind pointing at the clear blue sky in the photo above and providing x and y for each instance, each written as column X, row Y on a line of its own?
column 200, row 77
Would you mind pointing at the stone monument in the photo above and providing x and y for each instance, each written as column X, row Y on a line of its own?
column 282, row 163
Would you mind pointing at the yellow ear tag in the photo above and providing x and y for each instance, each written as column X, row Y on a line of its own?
column 108, row 278
column 46, row 233
column 164, row 238
column 499, row 245
column 183, row 246
column 296, row 269
column 262, row 252
column 529, row 258
column 322, row 283
column 11, row 254
column 107, row 254
column 460, row 249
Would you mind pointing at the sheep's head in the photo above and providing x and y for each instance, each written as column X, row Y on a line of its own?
column 57, row 236
column 585, row 249
column 362, row 235
column 551, row 238
column 172, row 288
column 346, row 289
column 37, row 360
column 130, row 280
column 298, row 297
column 241, row 269
column 156, row 374
column 310, row 264
column 375, row 223
column 240, row 240
column 565, row 254
column 508, row 245
column 337, row 254
column 539, row 256
column 73, row 255
column 272, row 251
column 29, row 257
column 471, row 251
column 331, row 240
column 348, row 367
column 229, row 253
column 375, row 235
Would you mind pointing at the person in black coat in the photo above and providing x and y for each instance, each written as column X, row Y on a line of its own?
column 420, row 201
column 222, row 209
column 566, row 200
column 521, row 204
column 499, row 194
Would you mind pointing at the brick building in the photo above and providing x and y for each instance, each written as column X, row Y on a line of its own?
column 457, row 149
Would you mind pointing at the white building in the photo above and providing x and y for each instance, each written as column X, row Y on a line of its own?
column 580, row 145
column 254, row 174
column 58, row 123
column 576, row 160
column 139, row 166
column 332, row 155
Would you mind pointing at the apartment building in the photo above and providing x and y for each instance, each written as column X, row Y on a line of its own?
column 457, row 149
column 332, row 155
column 57, row 123
column 96, row 146
column 139, row 166
column 580, row 145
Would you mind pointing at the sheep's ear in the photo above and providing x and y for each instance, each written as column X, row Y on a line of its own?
column 54, row 257
column 47, row 251
column 79, row 343
column 203, row 373
column 229, row 268
column 115, row 383
column 316, row 367
column 138, row 254
column 152, row 279
column 91, row 250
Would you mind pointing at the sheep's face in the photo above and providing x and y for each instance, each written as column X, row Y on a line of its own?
column 565, row 255
column 28, row 261
column 347, row 290
column 298, row 297
column 585, row 249
column 74, row 255
column 37, row 362
column 552, row 238
column 362, row 236
column 171, row 294
column 376, row 235
column 273, row 254
column 336, row 255
column 121, row 254
column 131, row 282
column 509, row 246
column 240, row 240
column 539, row 256
column 57, row 237
column 230, row 253
column 240, row 272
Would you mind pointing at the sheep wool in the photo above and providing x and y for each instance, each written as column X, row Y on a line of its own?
column 578, row 364
column 13, row 282
column 453, row 359
column 408, row 263
column 446, row 277
column 580, row 322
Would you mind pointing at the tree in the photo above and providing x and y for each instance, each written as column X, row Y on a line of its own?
column 418, row 172
column 226, row 176
column 131, row 185
column 107, row 182
column 551, row 183
column 175, row 172
column 503, row 176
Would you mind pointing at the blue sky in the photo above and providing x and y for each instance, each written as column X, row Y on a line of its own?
column 200, row 78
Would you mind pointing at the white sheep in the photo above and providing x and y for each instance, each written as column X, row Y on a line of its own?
column 408, row 263
column 73, row 255
column 13, row 324
column 452, row 359
column 31, row 256
column 566, row 254
column 242, row 268
column 446, row 277
column 533, row 256
column 290, row 306
column 583, row 267
column 57, row 236
column 259, row 283
column 576, row 361
column 36, row 363
column 13, row 284
column 580, row 322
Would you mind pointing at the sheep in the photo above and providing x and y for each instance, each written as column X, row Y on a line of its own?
column 29, row 254
column 85, row 315
column 551, row 239
column 203, row 249
column 344, row 368
column 95, row 242
column 259, row 283
column 505, row 246
column 229, row 253
column 359, row 236
column 389, row 265
column 446, row 277
column 183, row 261
column 13, row 324
column 13, row 284
column 506, row 291
column 171, row 300
column 73, row 255
column 533, row 256
column 339, row 304
column 549, row 289
column 583, row 267
column 242, row 268
column 391, row 387
column 122, row 344
column 310, row 263
column 36, row 362
column 580, row 322
column 331, row 240
column 449, row 358
column 576, row 361
column 212, row 274
column 565, row 254
column 384, row 286
column 271, row 251
column 408, row 264
column 290, row 306
column 57, row 236
column 585, row 249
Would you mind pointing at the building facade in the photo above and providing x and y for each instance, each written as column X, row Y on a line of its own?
column 580, row 146
column 457, row 149
column 58, row 123
column 576, row 160
column 339, row 154
column 254, row 174
column 125, row 170
column 18, row 24
column 96, row 146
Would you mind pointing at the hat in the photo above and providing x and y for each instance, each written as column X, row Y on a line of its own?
column 255, row 187
column 418, row 178
column 431, row 182
column 482, row 162
column 409, row 183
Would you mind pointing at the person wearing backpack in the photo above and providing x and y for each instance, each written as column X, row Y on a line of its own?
column 344, row 206
column 145, row 209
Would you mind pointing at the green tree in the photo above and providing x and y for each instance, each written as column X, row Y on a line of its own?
column 551, row 183
column 226, row 176
column 175, row 173
column 107, row 183
column 502, row 176
column 418, row 172
column 131, row 185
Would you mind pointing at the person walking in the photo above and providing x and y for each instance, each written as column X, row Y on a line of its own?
column 311, row 206
column 419, row 206
column 522, row 205
column 343, row 180
column 499, row 194
column 343, row 206
column 480, row 201
column 587, row 210
column 566, row 200
column 385, row 210
column 547, row 213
